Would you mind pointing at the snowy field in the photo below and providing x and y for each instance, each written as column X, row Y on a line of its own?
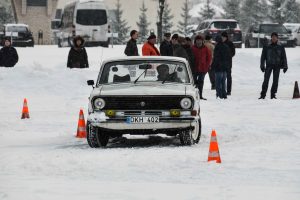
column 40, row 158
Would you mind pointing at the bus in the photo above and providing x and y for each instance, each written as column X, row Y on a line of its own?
column 87, row 18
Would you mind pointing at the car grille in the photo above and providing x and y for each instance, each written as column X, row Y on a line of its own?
column 143, row 102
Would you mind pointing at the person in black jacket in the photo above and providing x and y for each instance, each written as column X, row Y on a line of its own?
column 165, row 47
column 8, row 54
column 229, row 70
column 275, row 58
column 220, row 65
column 188, row 48
column 77, row 57
column 131, row 47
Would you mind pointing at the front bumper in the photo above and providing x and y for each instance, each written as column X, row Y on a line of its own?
column 121, row 123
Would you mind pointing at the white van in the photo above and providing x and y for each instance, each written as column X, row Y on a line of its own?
column 87, row 18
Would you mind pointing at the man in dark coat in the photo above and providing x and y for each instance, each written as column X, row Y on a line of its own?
column 77, row 55
column 189, row 51
column 131, row 47
column 220, row 64
column 275, row 58
column 229, row 70
column 166, row 46
column 8, row 54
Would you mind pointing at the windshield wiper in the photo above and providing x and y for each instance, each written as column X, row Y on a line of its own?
column 144, row 72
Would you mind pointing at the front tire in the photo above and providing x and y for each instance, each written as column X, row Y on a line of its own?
column 96, row 137
column 190, row 137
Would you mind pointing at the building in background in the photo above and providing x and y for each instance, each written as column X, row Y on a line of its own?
column 37, row 14
column 131, row 11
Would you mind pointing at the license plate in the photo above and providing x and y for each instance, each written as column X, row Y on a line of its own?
column 142, row 120
column 283, row 42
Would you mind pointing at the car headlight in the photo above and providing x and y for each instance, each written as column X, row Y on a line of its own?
column 186, row 103
column 99, row 103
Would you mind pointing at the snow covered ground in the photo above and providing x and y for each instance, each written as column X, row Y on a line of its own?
column 40, row 158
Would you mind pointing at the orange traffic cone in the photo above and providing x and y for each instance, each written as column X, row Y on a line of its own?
column 296, row 94
column 214, row 153
column 25, row 112
column 81, row 131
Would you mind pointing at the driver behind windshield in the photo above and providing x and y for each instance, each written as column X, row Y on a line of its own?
column 163, row 74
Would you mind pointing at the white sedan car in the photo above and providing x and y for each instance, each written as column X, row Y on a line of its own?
column 143, row 96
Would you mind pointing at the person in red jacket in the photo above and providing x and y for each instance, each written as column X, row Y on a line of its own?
column 148, row 48
column 202, row 62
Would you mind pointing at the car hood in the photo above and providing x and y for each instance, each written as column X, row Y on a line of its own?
column 144, row 89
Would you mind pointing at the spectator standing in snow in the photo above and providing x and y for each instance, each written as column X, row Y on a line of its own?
column 8, row 54
column 131, row 47
column 166, row 46
column 77, row 57
column 211, row 73
column 189, row 51
column 229, row 70
column 202, row 62
column 274, row 56
column 149, row 48
column 220, row 64
column 178, row 50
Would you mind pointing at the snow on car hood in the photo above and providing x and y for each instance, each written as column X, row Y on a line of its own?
column 145, row 89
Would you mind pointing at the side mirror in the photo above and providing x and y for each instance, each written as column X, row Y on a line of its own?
column 289, row 31
column 255, row 31
column 91, row 82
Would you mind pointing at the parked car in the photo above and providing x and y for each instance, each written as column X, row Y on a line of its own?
column 141, row 96
column 295, row 29
column 215, row 27
column 20, row 34
column 260, row 35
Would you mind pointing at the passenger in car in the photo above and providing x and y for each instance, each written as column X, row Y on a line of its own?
column 8, row 54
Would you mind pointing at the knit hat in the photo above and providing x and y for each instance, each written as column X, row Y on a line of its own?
column 152, row 36
column 167, row 34
column 218, row 38
column 224, row 34
column 175, row 36
column 274, row 34
column 7, row 38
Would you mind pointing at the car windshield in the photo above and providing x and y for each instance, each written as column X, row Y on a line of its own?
column 225, row 25
column 270, row 28
column 144, row 71
column 16, row 29
column 91, row 17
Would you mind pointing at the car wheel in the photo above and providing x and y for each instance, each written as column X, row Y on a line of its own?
column 92, row 136
column 190, row 137
column 96, row 137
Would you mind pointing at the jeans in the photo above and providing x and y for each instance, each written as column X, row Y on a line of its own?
column 268, row 71
column 229, row 80
column 221, row 84
column 199, row 77
column 212, row 78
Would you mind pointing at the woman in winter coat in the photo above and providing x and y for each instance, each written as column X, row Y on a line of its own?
column 202, row 62
column 77, row 55
column 8, row 54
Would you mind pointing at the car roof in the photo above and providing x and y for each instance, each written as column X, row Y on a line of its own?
column 220, row 20
column 146, row 58
column 16, row 25
column 291, row 24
